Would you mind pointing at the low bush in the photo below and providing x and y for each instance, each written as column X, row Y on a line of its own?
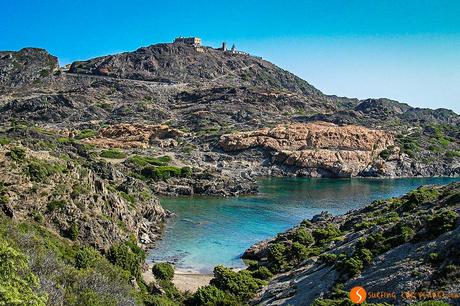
column 352, row 266
column 126, row 256
column 38, row 170
column 86, row 134
column 164, row 172
column 277, row 258
column 326, row 234
column 73, row 231
column 17, row 282
column 302, row 236
column 441, row 222
column 143, row 161
column 85, row 258
column 240, row 284
column 298, row 252
column 17, row 153
column 4, row 141
column 113, row 154
column 434, row 258
column 328, row 259
column 163, row 270
column 56, row 205
column 211, row 295
column 262, row 273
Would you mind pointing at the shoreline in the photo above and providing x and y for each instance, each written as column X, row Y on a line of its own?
column 183, row 280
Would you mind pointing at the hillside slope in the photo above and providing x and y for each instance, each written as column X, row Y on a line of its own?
column 406, row 244
column 211, row 95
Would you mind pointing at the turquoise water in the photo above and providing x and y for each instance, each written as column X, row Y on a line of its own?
column 208, row 231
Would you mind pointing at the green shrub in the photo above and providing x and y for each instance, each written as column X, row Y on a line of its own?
column 453, row 154
column 422, row 195
column 385, row 154
column 86, row 257
column 163, row 270
column 352, row 266
column 143, row 161
column 38, row 170
column 328, row 258
column 37, row 216
column 17, row 153
column 302, row 236
column 123, row 256
column 276, row 257
column 326, row 234
column 73, row 231
column 158, row 300
column 434, row 258
column 364, row 225
column 17, row 282
column 298, row 252
column 431, row 303
column 212, row 296
column 90, row 297
column 128, row 197
column 113, row 154
column 85, row 134
column 186, row 171
column 262, row 273
column 375, row 242
column 240, row 284
column 365, row 255
column 161, row 172
column 4, row 141
column 441, row 222
column 56, row 205
column 170, row 290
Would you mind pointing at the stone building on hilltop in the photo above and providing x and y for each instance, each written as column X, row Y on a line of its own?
column 194, row 41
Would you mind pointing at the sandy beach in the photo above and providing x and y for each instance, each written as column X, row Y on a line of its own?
column 187, row 281
column 183, row 280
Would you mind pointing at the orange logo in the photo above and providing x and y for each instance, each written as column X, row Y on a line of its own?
column 358, row 295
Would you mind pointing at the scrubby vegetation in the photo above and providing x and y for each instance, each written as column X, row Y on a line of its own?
column 113, row 154
column 416, row 218
column 163, row 270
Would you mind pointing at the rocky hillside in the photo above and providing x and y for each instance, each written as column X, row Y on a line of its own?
column 210, row 96
column 180, row 63
column 407, row 244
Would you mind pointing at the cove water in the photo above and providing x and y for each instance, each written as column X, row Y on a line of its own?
column 208, row 231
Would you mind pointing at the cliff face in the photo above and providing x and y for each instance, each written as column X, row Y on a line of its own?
column 406, row 244
column 74, row 201
column 340, row 150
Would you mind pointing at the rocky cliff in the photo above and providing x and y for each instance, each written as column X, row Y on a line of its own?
column 391, row 247
column 318, row 147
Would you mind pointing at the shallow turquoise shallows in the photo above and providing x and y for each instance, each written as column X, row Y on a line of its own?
column 208, row 231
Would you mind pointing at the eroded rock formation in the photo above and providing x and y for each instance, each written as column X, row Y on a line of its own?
column 343, row 150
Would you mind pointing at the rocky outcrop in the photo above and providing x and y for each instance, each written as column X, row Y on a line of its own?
column 26, row 66
column 136, row 136
column 341, row 150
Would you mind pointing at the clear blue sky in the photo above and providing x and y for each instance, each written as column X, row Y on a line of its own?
column 405, row 50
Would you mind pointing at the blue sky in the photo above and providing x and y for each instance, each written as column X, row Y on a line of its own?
column 404, row 50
